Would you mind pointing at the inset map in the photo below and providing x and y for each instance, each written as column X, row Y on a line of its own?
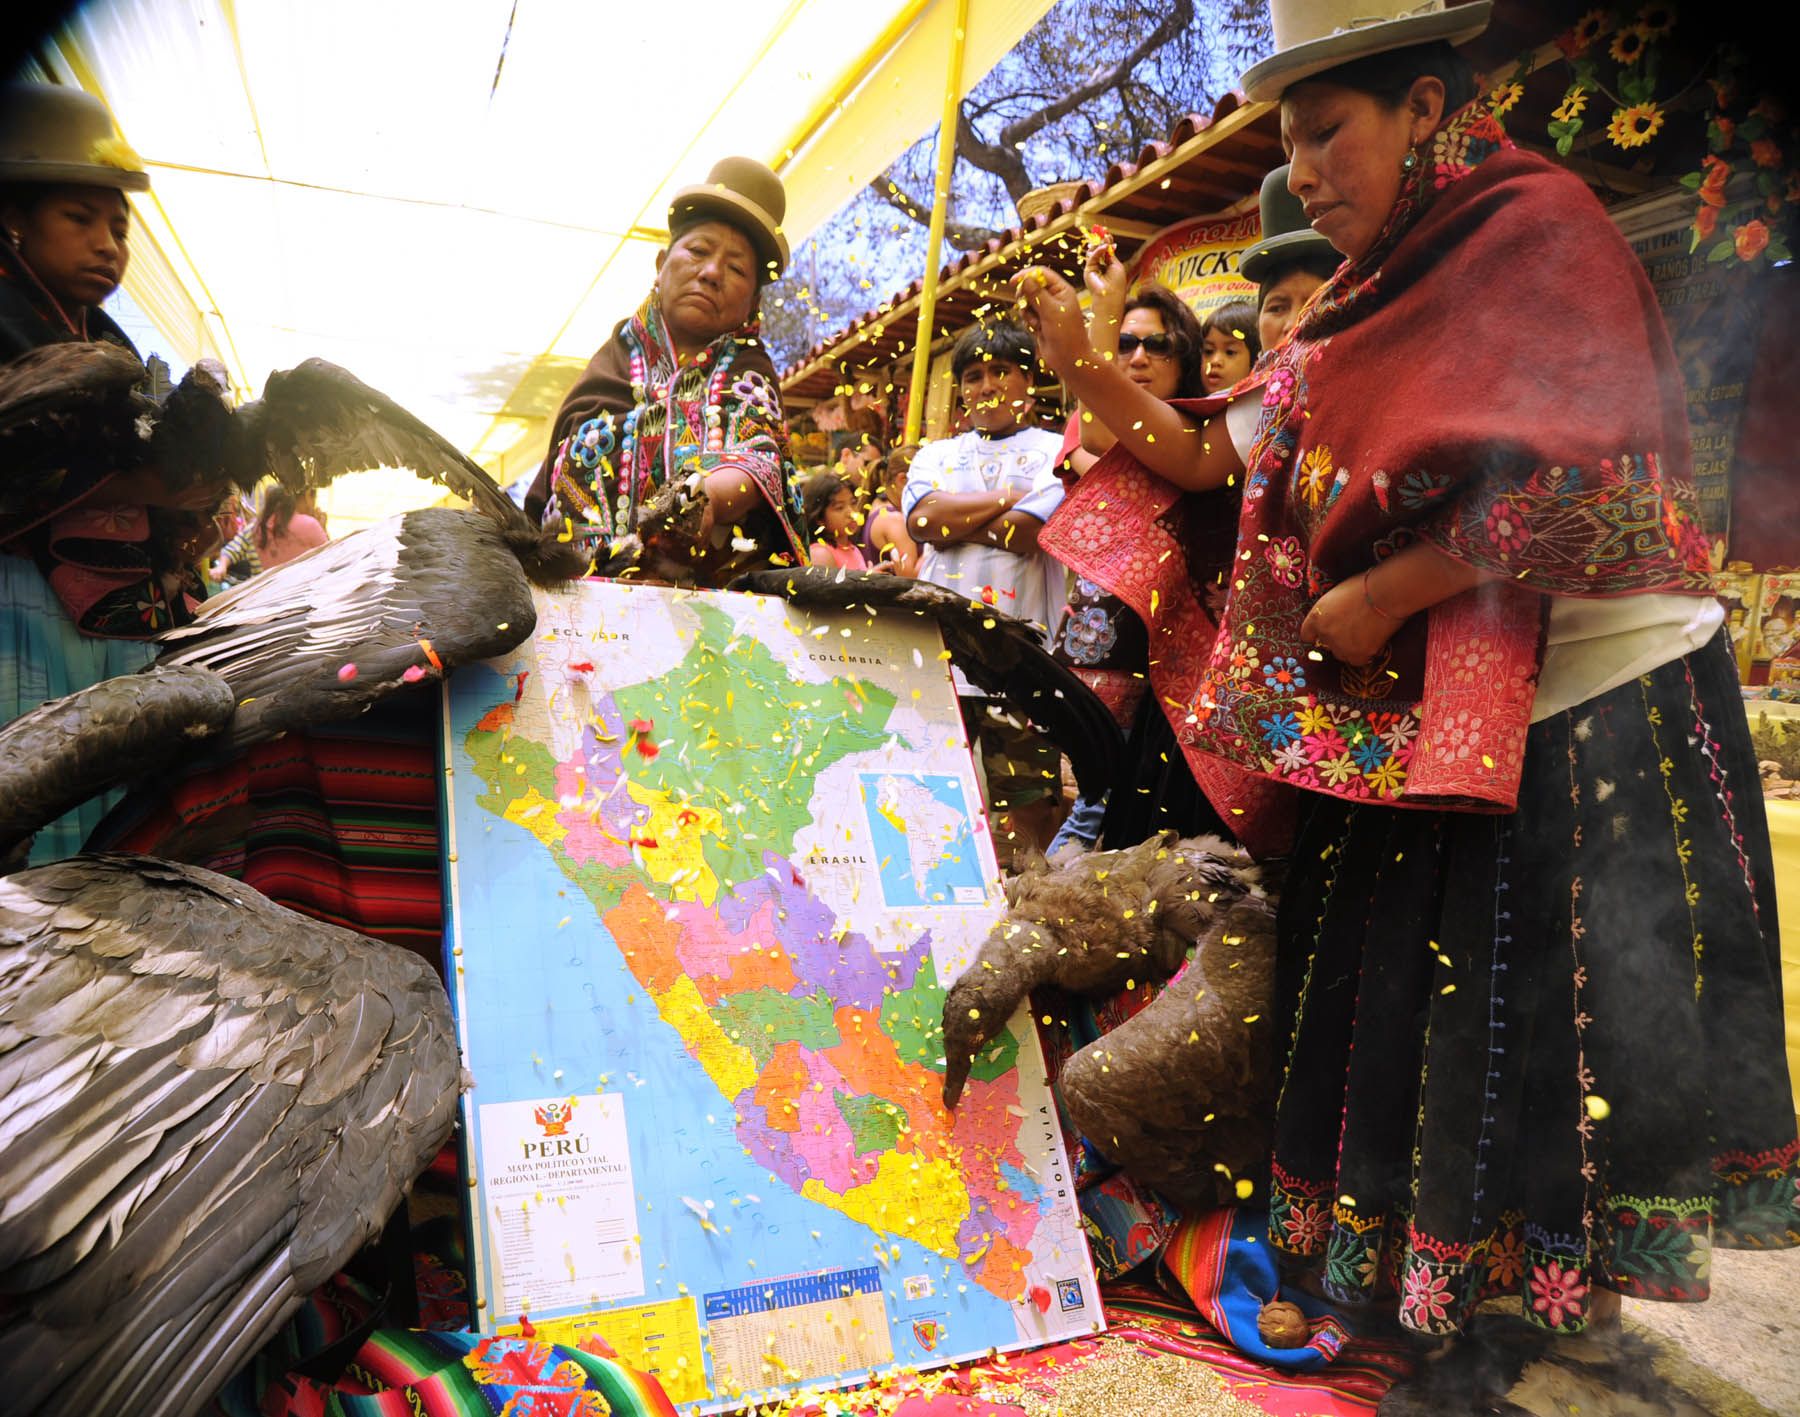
column 924, row 840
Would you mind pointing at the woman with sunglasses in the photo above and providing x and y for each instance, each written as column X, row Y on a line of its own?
column 1156, row 342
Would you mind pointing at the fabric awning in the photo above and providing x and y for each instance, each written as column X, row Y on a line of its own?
column 456, row 199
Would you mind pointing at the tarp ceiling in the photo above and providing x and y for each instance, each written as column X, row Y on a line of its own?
column 370, row 181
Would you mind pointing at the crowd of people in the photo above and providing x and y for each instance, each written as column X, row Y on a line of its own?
column 1365, row 590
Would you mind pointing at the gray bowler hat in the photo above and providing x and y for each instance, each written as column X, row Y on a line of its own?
column 1313, row 36
column 59, row 135
column 1285, row 230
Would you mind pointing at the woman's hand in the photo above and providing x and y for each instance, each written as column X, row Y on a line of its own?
column 1346, row 626
column 1107, row 281
column 1053, row 310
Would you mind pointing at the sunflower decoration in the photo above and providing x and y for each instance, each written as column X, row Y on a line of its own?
column 1633, row 127
column 1502, row 99
column 1582, row 34
column 1573, row 102
column 1628, row 46
column 1655, row 20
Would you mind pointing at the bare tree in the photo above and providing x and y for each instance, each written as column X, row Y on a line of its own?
column 1093, row 81
column 1089, row 84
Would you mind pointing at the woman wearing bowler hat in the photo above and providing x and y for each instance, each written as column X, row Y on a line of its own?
column 684, row 385
column 1529, row 960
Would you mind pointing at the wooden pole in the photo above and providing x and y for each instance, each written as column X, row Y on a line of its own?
column 934, row 241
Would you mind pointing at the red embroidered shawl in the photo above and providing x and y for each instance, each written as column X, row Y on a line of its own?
column 1493, row 377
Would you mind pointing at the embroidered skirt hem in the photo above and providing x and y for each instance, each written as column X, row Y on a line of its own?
column 1534, row 1053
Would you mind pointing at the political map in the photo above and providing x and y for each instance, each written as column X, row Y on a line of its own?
column 713, row 862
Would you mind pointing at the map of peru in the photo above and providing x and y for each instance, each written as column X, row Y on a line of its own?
column 712, row 861
column 676, row 817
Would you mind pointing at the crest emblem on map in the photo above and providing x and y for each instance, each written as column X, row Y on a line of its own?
column 554, row 1117
column 928, row 1332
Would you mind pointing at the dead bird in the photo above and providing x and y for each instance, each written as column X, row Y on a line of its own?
column 1181, row 1095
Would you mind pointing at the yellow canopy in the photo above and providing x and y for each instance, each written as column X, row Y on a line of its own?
column 457, row 199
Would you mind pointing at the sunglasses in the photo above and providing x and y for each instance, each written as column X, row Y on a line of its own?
column 1156, row 346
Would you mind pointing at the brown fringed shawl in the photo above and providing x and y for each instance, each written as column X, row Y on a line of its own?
column 1493, row 378
column 638, row 416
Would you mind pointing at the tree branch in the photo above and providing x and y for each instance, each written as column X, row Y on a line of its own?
column 1179, row 16
column 959, row 234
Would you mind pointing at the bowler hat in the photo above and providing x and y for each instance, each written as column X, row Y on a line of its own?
column 744, row 193
column 58, row 135
column 1286, row 232
column 1312, row 36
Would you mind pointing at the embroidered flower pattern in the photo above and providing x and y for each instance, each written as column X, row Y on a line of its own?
column 1315, row 474
column 1279, row 391
column 1328, row 743
column 1506, row 529
column 1287, row 562
column 1284, row 675
column 593, row 441
column 758, row 394
column 1280, row 730
column 1506, row 1259
column 1426, row 1300
column 1305, row 1225
column 1418, row 489
column 1089, row 634
column 1557, row 1293
column 1461, row 737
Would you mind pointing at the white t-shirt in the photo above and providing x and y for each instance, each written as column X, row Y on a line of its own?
column 1024, row 463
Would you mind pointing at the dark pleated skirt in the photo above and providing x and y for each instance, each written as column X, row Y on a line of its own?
column 1539, row 1052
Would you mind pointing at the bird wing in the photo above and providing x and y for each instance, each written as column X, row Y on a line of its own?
column 68, row 750
column 322, row 637
column 64, row 379
column 72, row 403
column 317, row 421
column 998, row 654
column 207, row 1104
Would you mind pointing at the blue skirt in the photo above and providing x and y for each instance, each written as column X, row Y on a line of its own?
column 43, row 656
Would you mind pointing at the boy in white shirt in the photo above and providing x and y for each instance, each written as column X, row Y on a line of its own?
column 976, row 503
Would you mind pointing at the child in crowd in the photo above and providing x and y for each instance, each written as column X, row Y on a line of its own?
column 1229, row 345
column 831, row 513
column 1288, row 264
column 884, row 537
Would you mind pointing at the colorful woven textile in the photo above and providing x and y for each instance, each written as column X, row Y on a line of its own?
column 399, row 1373
column 1224, row 1261
column 339, row 823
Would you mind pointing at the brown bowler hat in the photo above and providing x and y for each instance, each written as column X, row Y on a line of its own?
column 743, row 193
